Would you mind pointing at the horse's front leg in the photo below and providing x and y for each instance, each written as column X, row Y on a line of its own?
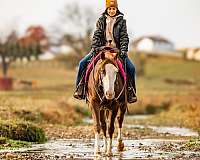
column 112, row 116
column 103, row 127
column 96, row 125
column 120, row 118
column 97, row 150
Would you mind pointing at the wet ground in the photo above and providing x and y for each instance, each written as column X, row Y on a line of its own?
column 83, row 149
column 141, row 142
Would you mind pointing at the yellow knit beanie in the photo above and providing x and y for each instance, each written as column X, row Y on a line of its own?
column 111, row 3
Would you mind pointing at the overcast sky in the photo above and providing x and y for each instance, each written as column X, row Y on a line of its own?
column 177, row 20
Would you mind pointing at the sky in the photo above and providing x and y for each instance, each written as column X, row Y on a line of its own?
column 177, row 20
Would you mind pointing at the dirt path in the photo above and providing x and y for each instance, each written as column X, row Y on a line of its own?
column 141, row 142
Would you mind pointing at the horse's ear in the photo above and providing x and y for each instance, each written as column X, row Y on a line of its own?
column 103, row 56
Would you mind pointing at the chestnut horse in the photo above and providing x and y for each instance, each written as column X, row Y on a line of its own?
column 107, row 100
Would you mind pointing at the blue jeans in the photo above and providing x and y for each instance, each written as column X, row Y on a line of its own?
column 130, row 68
column 82, row 67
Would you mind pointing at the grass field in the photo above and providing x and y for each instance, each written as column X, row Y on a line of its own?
column 170, row 89
column 173, row 87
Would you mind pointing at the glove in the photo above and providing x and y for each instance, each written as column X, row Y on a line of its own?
column 123, row 55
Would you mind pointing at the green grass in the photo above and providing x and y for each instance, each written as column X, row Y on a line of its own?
column 193, row 145
column 167, row 80
column 158, row 69
column 52, row 80
column 13, row 144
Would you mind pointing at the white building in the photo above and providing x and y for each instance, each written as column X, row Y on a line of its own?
column 193, row 54
column 156, row 44
column 55, row 50
column 47, row 56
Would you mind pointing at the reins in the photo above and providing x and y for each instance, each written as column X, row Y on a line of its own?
column 116, row 99
column 94, row 80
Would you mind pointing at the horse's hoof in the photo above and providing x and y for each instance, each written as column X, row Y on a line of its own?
column 120, row 146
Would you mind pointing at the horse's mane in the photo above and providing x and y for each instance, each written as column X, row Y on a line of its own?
column 107, row 61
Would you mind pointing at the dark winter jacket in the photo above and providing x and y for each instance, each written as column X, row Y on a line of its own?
column 119, row 33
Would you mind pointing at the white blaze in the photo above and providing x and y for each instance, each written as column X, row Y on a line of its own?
column 109, row 80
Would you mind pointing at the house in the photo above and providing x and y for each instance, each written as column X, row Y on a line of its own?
column 47, row 56
column 153, row 44
column 193, row 54
column 54, row 50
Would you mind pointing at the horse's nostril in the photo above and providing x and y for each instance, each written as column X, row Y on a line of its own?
column 109, row 94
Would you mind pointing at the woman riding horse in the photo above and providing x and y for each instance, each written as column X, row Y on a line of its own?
column 106, row 99
column 110, row 29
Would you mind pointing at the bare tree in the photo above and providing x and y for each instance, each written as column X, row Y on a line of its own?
column 76, row 25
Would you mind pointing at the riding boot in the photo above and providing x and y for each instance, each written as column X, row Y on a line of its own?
column 80, row 91
column 131, row 93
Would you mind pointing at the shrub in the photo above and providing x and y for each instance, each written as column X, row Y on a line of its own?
column 22, row 131
column 3, row 140
column 83, row 111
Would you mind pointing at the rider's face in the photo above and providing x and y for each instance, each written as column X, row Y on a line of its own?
column 112, row 11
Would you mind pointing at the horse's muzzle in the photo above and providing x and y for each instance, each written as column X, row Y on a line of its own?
column 110, row 95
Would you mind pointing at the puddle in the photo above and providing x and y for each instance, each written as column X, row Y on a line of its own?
column 134, row 149
column 162, row 129
column 171, row 130
column 176, row 131
column 88, row 120
column 159, row 129
column 138, row 117
column 83, row 149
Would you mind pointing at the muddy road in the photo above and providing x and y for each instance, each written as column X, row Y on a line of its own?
column 141, row 142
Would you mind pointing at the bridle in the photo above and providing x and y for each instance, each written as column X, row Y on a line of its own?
column 100, row 80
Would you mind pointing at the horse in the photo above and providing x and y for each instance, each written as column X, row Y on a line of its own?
column 106, row 97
